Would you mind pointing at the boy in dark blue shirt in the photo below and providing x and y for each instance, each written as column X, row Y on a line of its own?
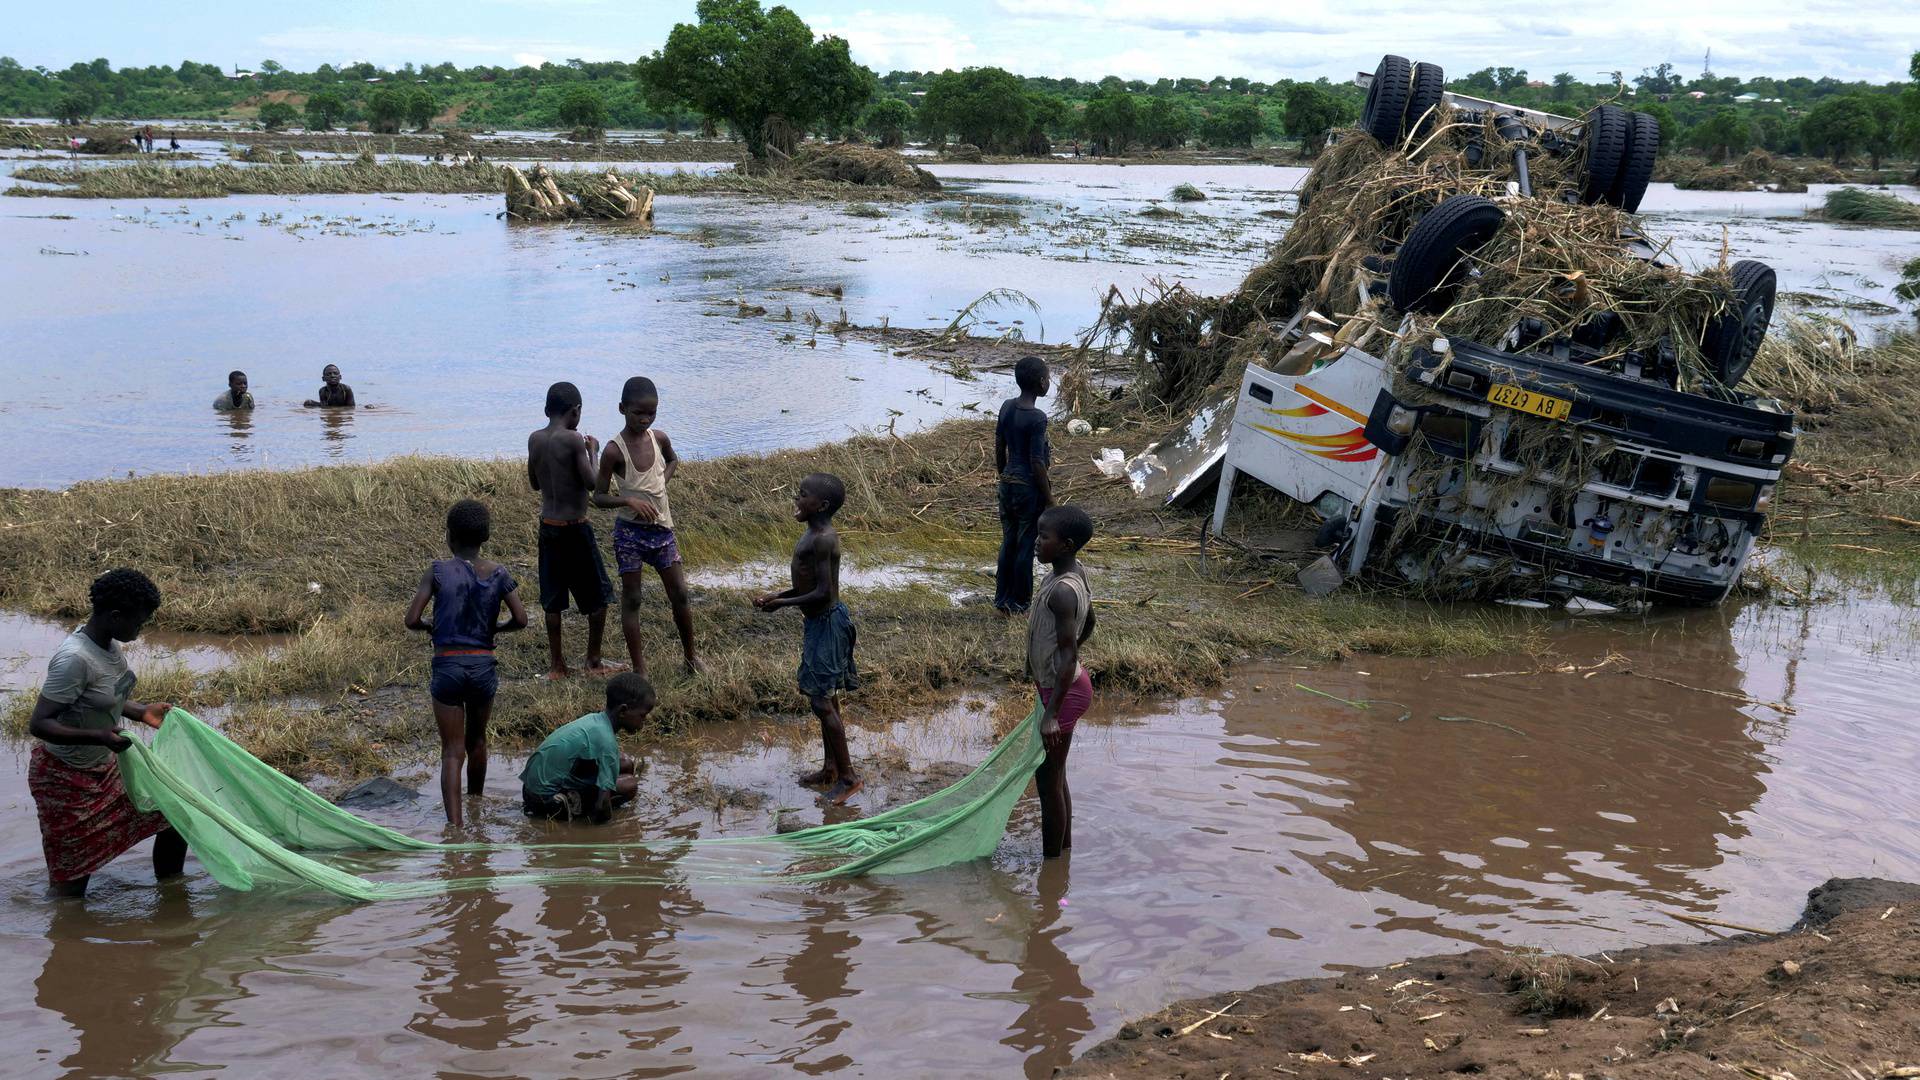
column 1021, row 453
column 467, row 592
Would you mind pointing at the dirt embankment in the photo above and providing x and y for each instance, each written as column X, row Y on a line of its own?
column 1837, row 996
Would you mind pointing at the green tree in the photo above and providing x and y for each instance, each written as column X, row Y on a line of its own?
column 887, row 121
column 1838, row 126
column 1669, row 127
column 1721, row 135
column 1112, row 121
column 1166, row 124
column 78, row 105
column 1311, row 113
column 1562, row 86
column 275, row 115
column 583, row 109
column 421, row 108
column 1885, row 132
column 324, row 109
column 386, row 110
column 1235, row 123
column 1047, row 114
column 755, row 68
column 988, row 107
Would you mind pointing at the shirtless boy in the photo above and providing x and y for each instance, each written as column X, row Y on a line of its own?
column 334, row 394
column 641, row 461
column 826, row 651
column 560, row 468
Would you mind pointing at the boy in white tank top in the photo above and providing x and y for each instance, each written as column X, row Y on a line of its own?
column 641, row 460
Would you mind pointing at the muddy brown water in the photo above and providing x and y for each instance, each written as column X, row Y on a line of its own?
column 1265, row 832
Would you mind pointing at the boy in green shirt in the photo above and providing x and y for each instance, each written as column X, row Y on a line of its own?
column 578, row 771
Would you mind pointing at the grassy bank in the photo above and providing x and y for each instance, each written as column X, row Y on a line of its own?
column 332, row 554
column 151, row 181
column 1851, row 500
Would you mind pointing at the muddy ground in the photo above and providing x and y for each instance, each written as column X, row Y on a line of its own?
column 1839, row 995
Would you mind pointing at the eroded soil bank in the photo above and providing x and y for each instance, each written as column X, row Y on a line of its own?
column 1837, row 995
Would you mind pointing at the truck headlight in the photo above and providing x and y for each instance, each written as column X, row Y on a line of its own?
column 1400, row 420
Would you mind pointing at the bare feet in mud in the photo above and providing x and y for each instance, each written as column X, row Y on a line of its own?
column 842, row 790
column 601, row 669
column 557, row 673
column 695, row 667
column 818, row 778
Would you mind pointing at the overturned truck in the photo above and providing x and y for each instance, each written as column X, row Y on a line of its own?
column 1470, row 360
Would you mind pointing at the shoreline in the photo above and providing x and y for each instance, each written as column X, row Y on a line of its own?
column 331, row 554
column 1830, row 994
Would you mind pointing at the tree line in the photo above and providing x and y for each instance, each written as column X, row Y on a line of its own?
column 763, row 74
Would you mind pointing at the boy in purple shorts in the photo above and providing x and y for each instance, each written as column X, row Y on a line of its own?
column 1059, row 621
column 640, row 461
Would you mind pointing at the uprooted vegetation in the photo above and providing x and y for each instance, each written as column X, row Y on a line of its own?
column 1877, row 208
column 332, row 554
column 1549, row 260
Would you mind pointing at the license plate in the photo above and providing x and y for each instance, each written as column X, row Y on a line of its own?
column 1529, row 401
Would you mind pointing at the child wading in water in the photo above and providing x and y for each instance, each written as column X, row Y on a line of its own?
column 1062, row 618
column 641, row 460
column 467, row 592
column 560, row 467
column 86, row 817
column 826, row 651
column 579, row 770
column 1021, row 454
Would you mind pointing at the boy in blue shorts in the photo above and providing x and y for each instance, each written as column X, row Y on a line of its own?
column 578, row 771
column 466, row 592
column 828, row 634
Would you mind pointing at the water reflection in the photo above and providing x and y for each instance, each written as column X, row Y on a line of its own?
column 239, row 423
column 1518, row 791
column 336, row 428
column 135, row 979
column 1056, row 1015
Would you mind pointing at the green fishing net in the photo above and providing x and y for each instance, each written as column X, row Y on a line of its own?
column 252, row 826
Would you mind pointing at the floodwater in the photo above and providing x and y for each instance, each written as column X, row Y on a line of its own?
column 1266, row 832
column 450, row 323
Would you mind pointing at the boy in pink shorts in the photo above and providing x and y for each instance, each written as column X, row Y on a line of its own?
column 1059, row 621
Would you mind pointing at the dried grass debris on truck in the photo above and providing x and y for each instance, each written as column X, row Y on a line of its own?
column 1468, row 356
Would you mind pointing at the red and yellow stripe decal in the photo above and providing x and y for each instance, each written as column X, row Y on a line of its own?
column 1351, row 445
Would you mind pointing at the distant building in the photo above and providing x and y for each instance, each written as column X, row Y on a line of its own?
column 1697, row 95
column 1746, row 99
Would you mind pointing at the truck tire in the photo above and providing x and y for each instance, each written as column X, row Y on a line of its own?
column 1385, row 117
column 1643, row 145
column 1423, row 103
column 1604, row 147
column 1426, row 270
column 1733, row 338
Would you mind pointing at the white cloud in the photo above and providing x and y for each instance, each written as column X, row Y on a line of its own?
column 1868, row 39
column 527, row 59
column 899, row 42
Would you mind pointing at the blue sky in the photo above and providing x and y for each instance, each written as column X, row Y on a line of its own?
column 1260, row 39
